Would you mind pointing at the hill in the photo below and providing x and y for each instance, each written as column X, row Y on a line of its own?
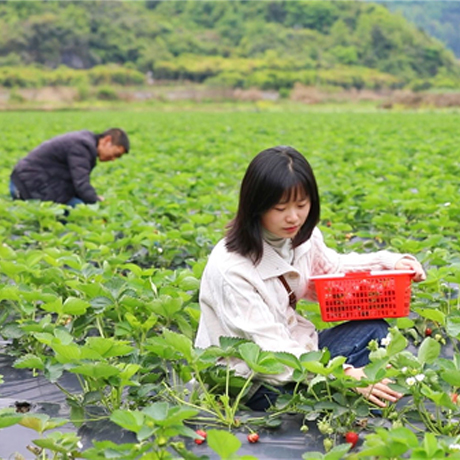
column 270, row 44
column 437, row 18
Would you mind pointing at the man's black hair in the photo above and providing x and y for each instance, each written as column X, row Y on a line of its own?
column 272, row 174
column 119, row 137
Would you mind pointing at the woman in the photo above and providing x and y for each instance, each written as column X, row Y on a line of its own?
column 264, row 264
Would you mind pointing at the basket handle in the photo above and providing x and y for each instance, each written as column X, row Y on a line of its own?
column 357, row 274
column 362, row 273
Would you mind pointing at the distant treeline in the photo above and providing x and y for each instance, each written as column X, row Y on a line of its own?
column 269, row 44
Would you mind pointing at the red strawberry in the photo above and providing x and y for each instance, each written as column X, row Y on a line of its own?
column 428, row 331
column 454, row 397
column 253, row 437
column 201, row 433
column 352, row 438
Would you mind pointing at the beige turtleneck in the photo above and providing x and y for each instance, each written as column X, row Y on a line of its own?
column 283, row 246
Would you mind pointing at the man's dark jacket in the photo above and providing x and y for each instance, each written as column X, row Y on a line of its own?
column 59, row 169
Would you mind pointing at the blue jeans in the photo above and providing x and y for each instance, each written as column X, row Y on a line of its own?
column 347, row 339
column 74, row 202
column 14, row 192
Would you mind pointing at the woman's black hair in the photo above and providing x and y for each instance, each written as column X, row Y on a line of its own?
column 272, row 174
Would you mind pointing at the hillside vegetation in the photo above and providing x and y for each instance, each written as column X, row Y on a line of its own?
column 437, row 18
column 270, row 45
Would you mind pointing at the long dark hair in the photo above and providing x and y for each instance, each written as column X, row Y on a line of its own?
column 270, row 175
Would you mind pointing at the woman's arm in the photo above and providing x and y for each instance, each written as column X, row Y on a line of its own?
column 325, row 260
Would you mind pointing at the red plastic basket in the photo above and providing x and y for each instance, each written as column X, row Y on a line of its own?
column 364, row 295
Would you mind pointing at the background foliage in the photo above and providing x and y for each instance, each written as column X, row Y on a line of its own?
column 437, row 18
column 233, row 43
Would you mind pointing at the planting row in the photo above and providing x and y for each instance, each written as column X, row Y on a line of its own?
column 109, row 293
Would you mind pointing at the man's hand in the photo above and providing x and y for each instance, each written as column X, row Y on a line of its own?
column 100, row 198
column 378, row 393
column 407, row 263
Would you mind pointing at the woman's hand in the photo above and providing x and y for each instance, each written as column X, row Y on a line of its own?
column 377, row 393
column 407, row 263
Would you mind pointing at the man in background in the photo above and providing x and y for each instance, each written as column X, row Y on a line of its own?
column 59, row 169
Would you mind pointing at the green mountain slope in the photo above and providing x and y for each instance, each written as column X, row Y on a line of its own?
column 270, row 44
column 439, row 19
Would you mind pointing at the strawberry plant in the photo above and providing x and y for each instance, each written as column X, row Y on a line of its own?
column 109, row 293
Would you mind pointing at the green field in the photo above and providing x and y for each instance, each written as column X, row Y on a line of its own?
column 127, row 270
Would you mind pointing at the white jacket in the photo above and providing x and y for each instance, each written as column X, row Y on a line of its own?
column 240, row 299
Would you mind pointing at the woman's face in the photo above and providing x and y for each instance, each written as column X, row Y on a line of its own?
column 286, row 218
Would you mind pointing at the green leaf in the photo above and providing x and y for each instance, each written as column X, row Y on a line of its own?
column 404, row 323
column 316, row 380
column 29, row 361
column 440, row 398
column 311, row 356
column 135, row 269
column 189, row 283
column 74, row 306
column 133, row 321
column 313, row 456
column 9, row 417
column 397, row 344
column 289, row 360
column 249, row 352
column 128, row 370
column 101, row 303
column 51, row 445
column 315, row 367
column 177, row 415
column 223, row 443
column 108, row 347
column 77, row 415
column 9, row 293
column 376, row 370
column 429, row 350
column 96, row 371
column 431, row 314
column 157, row 411
column 145, row 432
column 452, row 377
column 431, row 445
column 230, row 343
column 180, row 343
column 12, row 331
column 336, row 363
column 67, row 353
column 64, row 337
column 129, row 420
column 53, row 371
column 54, row 306
column 6, row 252
column 338, row 452
column 166, row 306
column 41, row 422
column 72, row 261
column 11, row 268
column 453, row 327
